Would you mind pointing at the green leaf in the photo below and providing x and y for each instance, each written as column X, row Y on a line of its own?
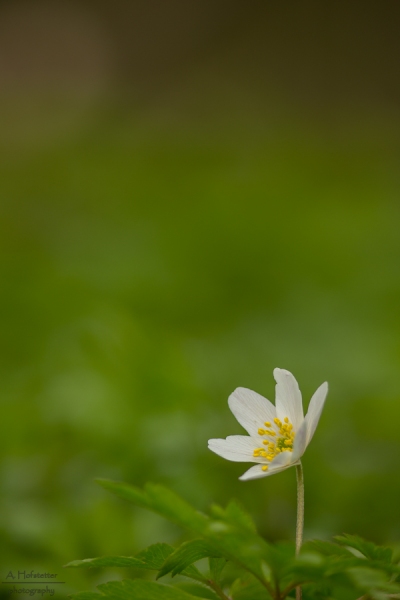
column 198, row 590
column 155, row 555
column 152, row 557
column 247, row 590
column 216, row 567
column 108, row 561
column 161, row 500
column 373, row 582
column 142, row 590
column 242, row 547
column 187, row 554
column 368, row 549
column 135, row 590
column 327, row 548
column 236, row 543
column 235, row 514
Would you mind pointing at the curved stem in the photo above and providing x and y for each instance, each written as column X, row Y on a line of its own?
column 300, row 515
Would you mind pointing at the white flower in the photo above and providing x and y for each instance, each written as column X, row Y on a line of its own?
column 278, row 435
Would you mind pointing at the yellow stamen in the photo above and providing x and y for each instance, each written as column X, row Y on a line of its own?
column 284, row 439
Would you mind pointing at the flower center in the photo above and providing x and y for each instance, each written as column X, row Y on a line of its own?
column 279, row 439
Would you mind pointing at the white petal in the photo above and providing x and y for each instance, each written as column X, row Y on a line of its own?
column 238, row 448
column 275, row 467
column 315, row 409
column 288, row 398
column 253, row 473
column 283, row 459
column 300, row 441
column 251, row 410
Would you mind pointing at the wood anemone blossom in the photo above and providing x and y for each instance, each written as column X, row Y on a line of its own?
column 278, row 435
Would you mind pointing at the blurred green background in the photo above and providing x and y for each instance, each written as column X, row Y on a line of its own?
column 191, row 195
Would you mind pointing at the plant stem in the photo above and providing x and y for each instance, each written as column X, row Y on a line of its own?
column 300, row 516
column 214, row 586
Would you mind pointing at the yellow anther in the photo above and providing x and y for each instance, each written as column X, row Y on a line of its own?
column 264, row 467
column 284, row 439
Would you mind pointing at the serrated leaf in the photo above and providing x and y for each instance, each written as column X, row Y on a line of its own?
column 373, row 582
column 198, row 590
column 368, row 549
column 140, row 589
column 247, row 590
column 238, row 544
column 242, row 547
column 155, row 555
column 152, row 558
column 193, row 573
column 108, row 561
column 234, row 514
column 306, row 567
column 184, row 556
column 161, row 500
column 327, row 548
column 216, row 567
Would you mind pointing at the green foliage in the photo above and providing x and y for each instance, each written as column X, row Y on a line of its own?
column 241, row 564
column 230, row 536
column 367, row 549
column 161, row 500
column 245, row 589
column 216, row 567
column 236, row 515
column 137, row 589
column 197, row 589
column 187, row 554
column 152, row 557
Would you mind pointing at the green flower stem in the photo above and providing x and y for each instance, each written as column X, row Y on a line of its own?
column 300, row 516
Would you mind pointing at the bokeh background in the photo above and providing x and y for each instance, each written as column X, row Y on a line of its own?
column 193, row 193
